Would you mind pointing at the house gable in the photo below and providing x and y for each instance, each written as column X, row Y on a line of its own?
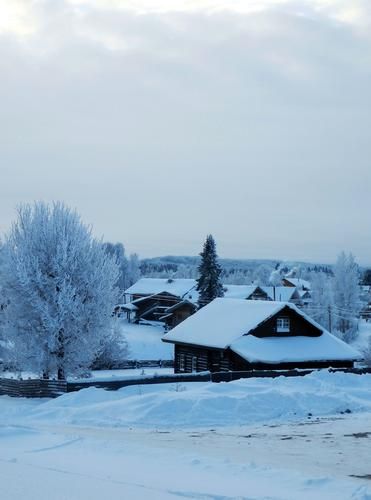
column 299, row 326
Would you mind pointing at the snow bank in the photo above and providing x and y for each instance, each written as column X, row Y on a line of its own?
column 247, row 401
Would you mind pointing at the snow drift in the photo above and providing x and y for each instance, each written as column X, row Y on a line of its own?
column 241, row 402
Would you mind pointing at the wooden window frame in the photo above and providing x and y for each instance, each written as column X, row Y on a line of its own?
column 283, row 324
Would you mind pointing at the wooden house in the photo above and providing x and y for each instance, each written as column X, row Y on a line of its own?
column 254, row 292
column 299, row 283
column 166, row 300
column 239, row 335
column 177, row 313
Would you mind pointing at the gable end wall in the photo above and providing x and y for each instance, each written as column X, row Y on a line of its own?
column 298, row 326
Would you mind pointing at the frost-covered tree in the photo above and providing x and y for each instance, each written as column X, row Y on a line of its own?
column 321, row 306
column 275, row 278
column 186, row 271
column 114, row 349
column 238, row 277
column 60, row 287
column 133, row 269
column 209, row 284
column 295, row 272
column 117, row 251
column 262, row 275
column 346, row 292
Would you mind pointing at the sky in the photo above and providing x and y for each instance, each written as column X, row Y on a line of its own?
column 161, row 121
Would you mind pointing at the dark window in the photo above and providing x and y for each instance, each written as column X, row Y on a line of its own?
column 194, row 364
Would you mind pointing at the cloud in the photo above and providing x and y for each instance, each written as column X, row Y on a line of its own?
column 161, row 118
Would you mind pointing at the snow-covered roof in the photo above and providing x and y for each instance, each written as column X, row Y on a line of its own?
column 180, row 304
column 142, row 299
column 226, row 323
column 299, row 283
column 184, row 288
column 273, row 350
column 280, row 293
column 223, row 321
column 238, row 291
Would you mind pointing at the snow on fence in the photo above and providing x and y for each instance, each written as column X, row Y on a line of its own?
column 114, row 385
column 147, row 363
column 32, row 388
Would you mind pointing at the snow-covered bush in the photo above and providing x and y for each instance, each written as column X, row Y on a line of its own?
column 114, row 349
column 60, row 289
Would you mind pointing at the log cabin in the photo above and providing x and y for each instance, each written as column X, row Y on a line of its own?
column 243, row 335
column 156, row 299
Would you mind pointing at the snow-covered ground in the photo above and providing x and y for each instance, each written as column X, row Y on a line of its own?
column 144, row 341
column 284, row 438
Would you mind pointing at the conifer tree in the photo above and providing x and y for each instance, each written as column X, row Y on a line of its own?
column 209, row 283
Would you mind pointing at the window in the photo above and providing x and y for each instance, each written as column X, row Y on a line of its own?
column 194, row 364
column 181, row 362
column 283, row 325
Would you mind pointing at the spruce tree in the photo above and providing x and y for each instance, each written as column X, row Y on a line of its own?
column 209, row 283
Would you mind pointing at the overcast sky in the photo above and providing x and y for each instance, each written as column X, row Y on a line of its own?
column 164, row 120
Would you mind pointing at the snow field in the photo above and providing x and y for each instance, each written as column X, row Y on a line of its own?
column 248, row 439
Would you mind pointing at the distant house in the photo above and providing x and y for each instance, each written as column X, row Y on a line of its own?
column 305, row 297
column 247, row 335
column 173, row 300
column 127, row 309
column 166, row 300
column 177, row 313
column 177, row 287
column 254, row 292
column 299, row 283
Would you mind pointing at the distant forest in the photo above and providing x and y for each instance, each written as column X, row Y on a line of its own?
column 238, row 271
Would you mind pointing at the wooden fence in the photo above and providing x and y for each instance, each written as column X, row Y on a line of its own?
column 147, row 363
column 32, row 388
